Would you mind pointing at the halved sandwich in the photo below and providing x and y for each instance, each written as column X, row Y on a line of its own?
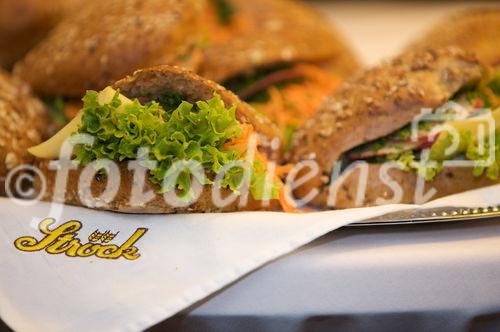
column 280, row 55
column 406, row 131
column 278, row 51
column 107, row 40
column 183, row 131
column 103, row 42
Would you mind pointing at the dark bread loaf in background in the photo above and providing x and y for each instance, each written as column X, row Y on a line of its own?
column 107, row 40
column 474, row 30
column 276, row 32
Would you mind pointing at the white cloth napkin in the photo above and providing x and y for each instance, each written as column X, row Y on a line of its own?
column 183, row 259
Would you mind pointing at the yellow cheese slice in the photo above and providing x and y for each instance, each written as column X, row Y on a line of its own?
column 50, row 149
column 472, row 125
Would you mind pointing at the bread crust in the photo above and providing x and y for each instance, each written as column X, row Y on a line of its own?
column 147, row 85
column 474, row 30
column 378, row 102
column 122, row 201
column 450, row 181
column 107, row 40
column 276, row 32
column 23, row 120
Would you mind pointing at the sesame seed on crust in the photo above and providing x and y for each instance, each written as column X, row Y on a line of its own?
column 23, row 120
column 382, row 100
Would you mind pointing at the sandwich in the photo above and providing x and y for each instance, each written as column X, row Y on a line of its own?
column 281, row 56
column 103, row 42
column 474, row 30
column 22, row 122
column 415, row 128
column 107, row 40
column 244, row 35
column 165, row 119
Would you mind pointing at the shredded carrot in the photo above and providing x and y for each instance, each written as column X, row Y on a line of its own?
column 289, row 106
column 285, row 203
column 282, row 170
column 219, row 33
column 293, row 104
column 240, row 144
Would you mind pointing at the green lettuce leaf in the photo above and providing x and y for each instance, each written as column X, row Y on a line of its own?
column 56, row 106
column 468, row 148
column 189, row 132
column 408, row 161
column 494, row 84
column 484, row 163
column 258, row 183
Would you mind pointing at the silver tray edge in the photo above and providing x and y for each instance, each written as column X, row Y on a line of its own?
column 432, row 215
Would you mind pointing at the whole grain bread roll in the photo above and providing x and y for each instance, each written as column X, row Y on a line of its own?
column 23, row 121
column 267, row 33
column 107, row 40
column 147, row 85
column 378, row 102
column 474, row 30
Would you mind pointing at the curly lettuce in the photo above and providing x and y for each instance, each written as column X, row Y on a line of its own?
column 468, row 148
column 485, row 162
column 188, row 132
column 409, row 161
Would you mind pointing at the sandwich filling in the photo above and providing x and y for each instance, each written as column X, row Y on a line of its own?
column 169, row 130
column 458, row 130
column 288, row 95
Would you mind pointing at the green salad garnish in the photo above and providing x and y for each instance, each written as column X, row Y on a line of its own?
column 400, row 148
column 56, row 106
column 178, row 131
column 468, row 149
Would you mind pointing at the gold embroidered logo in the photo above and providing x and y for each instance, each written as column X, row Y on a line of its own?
column 64, row 239
column 105, row 237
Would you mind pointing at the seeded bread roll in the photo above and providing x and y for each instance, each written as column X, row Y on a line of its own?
column 23, row 120
column 378, row 102
column 147, row 85
column 474, row 30
column 108, row 40
column 276, row 32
